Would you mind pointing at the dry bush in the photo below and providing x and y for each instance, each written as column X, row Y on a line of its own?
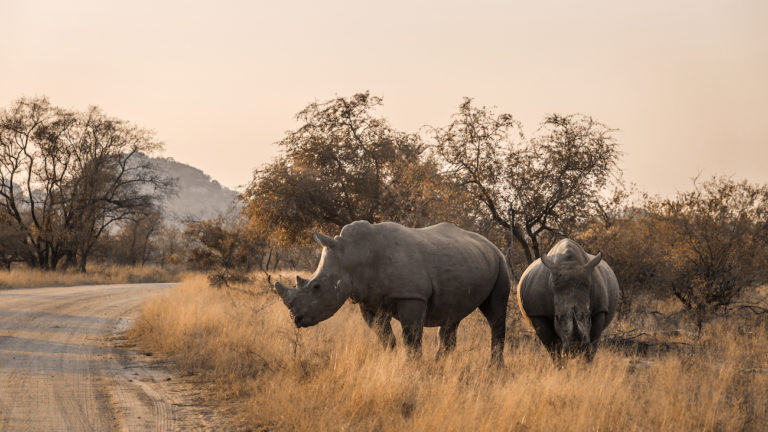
column 335, row 376
column 25, row 277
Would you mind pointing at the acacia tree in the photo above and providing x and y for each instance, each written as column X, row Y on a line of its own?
column 530, row 187
column 344, row 164
column 66, row 176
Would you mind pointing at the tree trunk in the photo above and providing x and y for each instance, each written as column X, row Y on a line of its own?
column 81, row 265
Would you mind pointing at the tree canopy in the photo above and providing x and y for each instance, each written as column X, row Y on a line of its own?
column 66, row 176
column 344, row 164
column 543, row 185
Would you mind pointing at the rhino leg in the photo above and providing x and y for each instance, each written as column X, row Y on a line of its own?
column 598, row 324
column 494, row 308
column 411, row 314
column 447, row 339
column 378, row 321
column 545, row 330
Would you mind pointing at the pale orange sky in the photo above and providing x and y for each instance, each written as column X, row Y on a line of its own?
column 220, row 82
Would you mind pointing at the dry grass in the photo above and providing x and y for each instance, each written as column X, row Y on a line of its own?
column 23, row 277
column 335, row 376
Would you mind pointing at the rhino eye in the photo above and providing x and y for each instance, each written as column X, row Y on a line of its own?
column 314, row 286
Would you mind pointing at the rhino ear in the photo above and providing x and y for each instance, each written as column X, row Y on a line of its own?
column 593, row 262
column 324, row 240
column 546, row 261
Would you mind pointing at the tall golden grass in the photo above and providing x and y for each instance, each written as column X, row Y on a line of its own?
column 336, row 376
column 24, row 277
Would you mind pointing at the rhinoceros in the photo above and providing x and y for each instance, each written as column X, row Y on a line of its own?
column 569, row 297
column 433, row 276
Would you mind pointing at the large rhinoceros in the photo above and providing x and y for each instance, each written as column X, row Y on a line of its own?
column 433, row 276
column 569, row 297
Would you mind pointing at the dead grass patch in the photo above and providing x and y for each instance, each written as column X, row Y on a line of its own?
column 23, row 277
column 335, row 376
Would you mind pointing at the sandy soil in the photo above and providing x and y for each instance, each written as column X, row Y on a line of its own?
column 65, row 366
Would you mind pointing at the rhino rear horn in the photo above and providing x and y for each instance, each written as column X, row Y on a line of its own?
column 300, row 281
column 593, row 262
column 546, row 261
column 324, row 240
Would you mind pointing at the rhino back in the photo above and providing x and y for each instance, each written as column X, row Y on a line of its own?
column 450, row 269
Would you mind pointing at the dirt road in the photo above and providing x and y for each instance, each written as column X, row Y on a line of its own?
column 65, row 367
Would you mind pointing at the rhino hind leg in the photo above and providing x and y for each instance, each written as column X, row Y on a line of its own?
column 411, row 314
column 379, row 322
column 447, row 339
column 494, row 308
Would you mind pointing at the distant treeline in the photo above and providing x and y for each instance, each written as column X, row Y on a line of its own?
column 76, row 185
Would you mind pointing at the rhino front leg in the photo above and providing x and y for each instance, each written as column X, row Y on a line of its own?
column 378, row 321
column 545, row 330
column 598, row 324
column 411, row 314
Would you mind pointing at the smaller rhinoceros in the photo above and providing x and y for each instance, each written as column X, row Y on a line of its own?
column 433, row 276
column 569, row 297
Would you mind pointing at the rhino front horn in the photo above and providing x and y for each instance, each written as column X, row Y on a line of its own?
column 282, row 290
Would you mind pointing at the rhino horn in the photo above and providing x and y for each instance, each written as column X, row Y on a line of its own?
column 282, row 290
column 546, row 261
column 300, row 281
column 324, row 240
column 593, row 262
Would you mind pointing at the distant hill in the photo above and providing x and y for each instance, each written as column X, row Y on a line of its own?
column 199, row 196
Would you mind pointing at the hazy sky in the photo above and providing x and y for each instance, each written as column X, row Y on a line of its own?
column 686, row 82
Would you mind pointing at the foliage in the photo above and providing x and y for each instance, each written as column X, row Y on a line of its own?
column 531, row 187
column 704, row 246
column 718, row 240
column 224, row 246
column 134, row 241
column 345, row 164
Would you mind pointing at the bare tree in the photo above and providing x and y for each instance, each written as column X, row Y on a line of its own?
column 65, row 177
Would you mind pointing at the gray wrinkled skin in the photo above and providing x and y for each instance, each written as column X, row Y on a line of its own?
column 433, row 276
column 569, row 297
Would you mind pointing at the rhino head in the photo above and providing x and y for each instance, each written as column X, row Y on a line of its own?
column 571, row 284
column 319, row 297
